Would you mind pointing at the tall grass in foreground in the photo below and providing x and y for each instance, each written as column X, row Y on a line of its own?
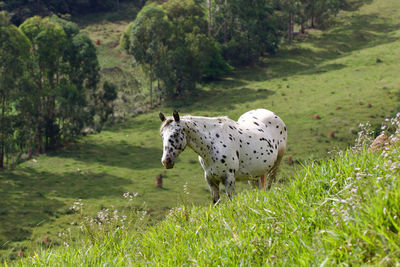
column 343, row 210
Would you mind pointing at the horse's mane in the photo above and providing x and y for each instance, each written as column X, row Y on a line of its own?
column 168, row 120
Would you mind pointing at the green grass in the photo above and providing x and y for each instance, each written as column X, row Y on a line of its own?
column 329, row 69
column 340, row 211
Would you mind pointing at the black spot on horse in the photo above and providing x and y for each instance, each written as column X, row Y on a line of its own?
column 284, row 128
column 224, row 156
column 237, row 153
column 256, row 123
column 222, row 160
column 217, row 135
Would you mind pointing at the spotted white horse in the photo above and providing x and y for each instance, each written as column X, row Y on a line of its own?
column 249, row 149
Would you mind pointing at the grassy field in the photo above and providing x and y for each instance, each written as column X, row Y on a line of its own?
column 345, row 75
column 343, row 211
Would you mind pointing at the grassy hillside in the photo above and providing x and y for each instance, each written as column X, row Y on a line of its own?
column 346, row 75
column 341, row 211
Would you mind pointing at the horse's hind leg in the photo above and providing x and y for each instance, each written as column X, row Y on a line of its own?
column 274, row 170
column 254, row 183
column 214, row 189
column 230, row 185
column 262, row 182
column 259, row 183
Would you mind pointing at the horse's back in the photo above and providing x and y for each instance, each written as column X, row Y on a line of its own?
column 277, row 128
column 257, row 114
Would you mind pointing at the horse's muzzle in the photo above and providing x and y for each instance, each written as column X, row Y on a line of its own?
column 168, row 164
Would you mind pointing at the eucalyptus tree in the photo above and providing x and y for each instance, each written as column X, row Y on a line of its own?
column 172, row 43
column 146, row 41
column 78, row 95
column 244, row 29
column 47, row 41
column 64, row 70
column 14, row 49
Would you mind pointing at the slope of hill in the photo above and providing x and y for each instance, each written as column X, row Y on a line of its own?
column 346, row 75
column 341, row 211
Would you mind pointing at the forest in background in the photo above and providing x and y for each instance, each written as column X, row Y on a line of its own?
column 50, row 90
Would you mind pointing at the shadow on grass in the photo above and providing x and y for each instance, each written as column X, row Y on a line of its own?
column 28, row 197
column 351, row 33
column 219, row 100
column 113, row 154
column 126, row 13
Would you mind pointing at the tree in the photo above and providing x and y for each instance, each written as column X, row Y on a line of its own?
column 64, row 70
column 192, row 53
column 47, row 40
column 245, row 30
column 147, row 41
column 14, row 49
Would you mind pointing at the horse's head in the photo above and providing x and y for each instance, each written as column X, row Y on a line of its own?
column 174, row 139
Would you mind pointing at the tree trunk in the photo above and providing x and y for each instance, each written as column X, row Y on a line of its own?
column 151, row 87
column 39, row 121
column 290, row 28
column 231, row 27
column 2, row 158
column 2, row 136
column 159, row 90
column 209, row 17
column 226, row 23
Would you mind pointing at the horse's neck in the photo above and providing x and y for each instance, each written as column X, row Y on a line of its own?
column 197, row 136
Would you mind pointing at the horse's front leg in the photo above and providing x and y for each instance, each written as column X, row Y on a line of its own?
column 230, row 184
column 213, row 184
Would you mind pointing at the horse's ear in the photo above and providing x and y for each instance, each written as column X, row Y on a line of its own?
column 176, row 115
column 162, row 117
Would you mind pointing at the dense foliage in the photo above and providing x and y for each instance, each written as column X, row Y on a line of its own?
column 23, row 9
column 49, row 79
